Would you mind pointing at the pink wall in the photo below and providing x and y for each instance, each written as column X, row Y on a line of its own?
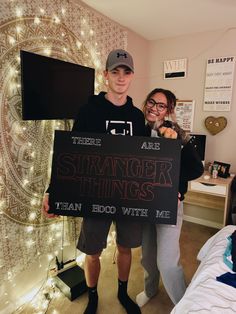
column 140, row 49
column 197, row 48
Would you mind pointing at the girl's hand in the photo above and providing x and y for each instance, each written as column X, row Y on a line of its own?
column 167, row 132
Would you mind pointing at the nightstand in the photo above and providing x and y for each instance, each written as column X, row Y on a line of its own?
column 207, row 201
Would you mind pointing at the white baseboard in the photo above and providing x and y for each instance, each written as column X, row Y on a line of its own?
column 204, row 222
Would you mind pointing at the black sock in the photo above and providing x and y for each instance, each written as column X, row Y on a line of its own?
column 130, row 306
column 92, row 302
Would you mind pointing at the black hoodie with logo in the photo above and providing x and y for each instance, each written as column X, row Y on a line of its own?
column 99, row 115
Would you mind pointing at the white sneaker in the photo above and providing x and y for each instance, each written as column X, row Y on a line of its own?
column 142, row 299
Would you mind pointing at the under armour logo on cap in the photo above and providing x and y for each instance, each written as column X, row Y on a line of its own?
column 119, row 57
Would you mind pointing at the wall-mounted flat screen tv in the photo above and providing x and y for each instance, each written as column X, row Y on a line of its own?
column 199, row 143
column 53, row 89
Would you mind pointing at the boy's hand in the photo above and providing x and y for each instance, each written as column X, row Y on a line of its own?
column 45, row 207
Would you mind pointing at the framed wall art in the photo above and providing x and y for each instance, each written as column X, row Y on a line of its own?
column 175, row 69
column 184, row 111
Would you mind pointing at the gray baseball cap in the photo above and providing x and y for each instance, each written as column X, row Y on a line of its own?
column 119, row 57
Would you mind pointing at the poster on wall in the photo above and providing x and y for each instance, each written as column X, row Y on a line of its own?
column 219, row 84
column 184, row 114
column 175, row 68
column 117, row 177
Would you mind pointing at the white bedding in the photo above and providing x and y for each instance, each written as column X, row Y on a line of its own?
column 205, row 294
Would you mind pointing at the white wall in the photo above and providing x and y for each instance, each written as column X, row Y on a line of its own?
column 197, row 48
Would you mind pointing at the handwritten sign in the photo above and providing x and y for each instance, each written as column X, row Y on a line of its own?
column 119, row 177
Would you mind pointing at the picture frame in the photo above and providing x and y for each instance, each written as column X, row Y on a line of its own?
column 223, row 169
column 184, row 111
column 175, row 69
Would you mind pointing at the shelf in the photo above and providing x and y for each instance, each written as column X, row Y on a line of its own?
column 205, row 200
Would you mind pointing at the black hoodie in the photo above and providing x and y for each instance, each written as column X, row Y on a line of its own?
column 99, row 115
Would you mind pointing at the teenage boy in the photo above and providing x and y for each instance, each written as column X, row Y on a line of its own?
column 110, row 112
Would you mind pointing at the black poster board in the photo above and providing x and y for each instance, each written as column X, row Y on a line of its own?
column 119, row 177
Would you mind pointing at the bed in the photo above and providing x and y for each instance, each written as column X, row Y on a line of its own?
column 205, row 294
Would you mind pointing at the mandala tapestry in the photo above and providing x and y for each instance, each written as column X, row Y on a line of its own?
column 68, row 31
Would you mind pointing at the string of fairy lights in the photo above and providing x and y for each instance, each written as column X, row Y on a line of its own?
column 83, row 44
column 40, row 298
column 12, row 74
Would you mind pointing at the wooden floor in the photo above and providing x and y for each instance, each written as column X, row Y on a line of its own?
column 193, row 236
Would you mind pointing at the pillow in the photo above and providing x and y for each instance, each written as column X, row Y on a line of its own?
column 217, row 244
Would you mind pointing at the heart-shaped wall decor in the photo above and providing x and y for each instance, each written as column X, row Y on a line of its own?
column 215, row 125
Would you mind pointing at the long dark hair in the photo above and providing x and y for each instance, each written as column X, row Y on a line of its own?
column 171, row 98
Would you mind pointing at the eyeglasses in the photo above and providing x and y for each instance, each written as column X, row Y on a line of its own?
column 159, row 105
